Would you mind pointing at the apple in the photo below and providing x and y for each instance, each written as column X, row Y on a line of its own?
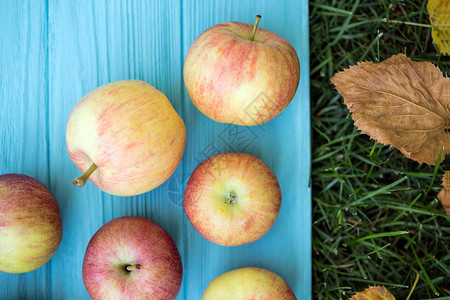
column 232, row 198
column 240, row 74
column 30, row 224
column 132, row 258
column 248, row 283
column 126, row 138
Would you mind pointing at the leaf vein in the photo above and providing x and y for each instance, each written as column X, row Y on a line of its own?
column 399, row 97
column 426, row 86
column 411, row 130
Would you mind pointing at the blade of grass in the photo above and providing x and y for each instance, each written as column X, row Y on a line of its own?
column 331, row 8
column 346, row 22
column 409, row 206
column 436, row 167
column 378, row 235
column 424, row 272
column 384, row 190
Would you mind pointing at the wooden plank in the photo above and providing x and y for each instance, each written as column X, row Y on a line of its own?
column 91, row 44
column 283, row 144
column 23, row 118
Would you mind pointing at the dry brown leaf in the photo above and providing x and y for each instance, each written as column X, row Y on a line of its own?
column 444, row 194
column 374, row 293
column 439, row 11
column 400, row 102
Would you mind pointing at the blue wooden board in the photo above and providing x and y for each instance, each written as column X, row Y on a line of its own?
column 54, row 52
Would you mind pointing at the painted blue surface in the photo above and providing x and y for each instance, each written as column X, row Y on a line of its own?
column 54, row 52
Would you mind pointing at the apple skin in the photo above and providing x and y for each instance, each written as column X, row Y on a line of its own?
column 251, row 186
column 131, row 132
column 232, row 79
column 127, row 241
column 248, row 283
column 30, row 224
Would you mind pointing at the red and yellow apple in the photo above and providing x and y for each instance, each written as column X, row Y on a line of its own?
column 237, row 73
column 30, row 224
column 248, row 283
column 126, row 137
column 132, row 258
column 232, row 198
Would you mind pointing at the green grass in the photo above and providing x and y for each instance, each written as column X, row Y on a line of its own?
column 376, row 218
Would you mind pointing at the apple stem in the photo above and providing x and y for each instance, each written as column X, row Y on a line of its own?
column 258, row 17
column 81, row 181
column 133, row 267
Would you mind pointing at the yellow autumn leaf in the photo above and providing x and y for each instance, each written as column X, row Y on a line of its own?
column 439, row 11
column 374, row 293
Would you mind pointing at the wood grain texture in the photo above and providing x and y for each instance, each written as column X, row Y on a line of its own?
column 54, row 52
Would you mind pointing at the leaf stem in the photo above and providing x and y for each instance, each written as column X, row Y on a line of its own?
column 258, row 17
column 81, row 180
column 414, row 286
column 405, row 23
